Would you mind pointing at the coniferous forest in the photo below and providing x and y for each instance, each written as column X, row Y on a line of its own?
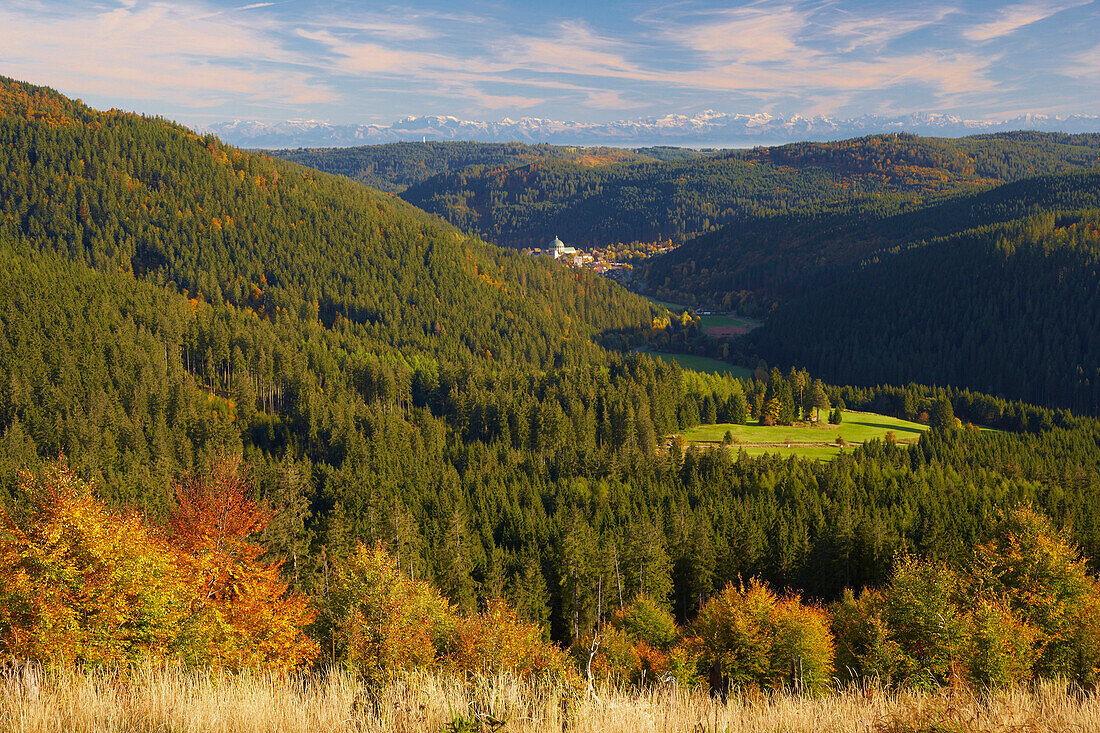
column 521, row 196
column 339, row 429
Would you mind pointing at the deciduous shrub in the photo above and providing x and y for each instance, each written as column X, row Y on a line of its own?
column 864, row 645
column 637, row 645
column 1001, row 648
column 922, row 614
column 751, row 635
column 497, row 640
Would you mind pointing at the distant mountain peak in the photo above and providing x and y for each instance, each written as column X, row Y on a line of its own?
column 708, row 128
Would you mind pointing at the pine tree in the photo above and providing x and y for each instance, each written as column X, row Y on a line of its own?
column 943, row 414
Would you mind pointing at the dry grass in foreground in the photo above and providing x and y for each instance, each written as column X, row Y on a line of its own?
column 169, row 701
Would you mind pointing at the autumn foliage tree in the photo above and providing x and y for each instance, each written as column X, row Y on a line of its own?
column 1025, row 607
column 638, row 645
column 751, row 635
column 239, row 611
column 497, row 640
column 83, row 584
column 1037, row 576
column 380, row 621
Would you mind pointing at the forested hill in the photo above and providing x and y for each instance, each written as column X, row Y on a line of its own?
column 170, row 296
column 754, row 263
column 994, row 291
column 643, row 201
column 126, row 193
column 1006, row 308
column 396, row 166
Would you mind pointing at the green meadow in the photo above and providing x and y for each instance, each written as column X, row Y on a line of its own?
column 725, row 320
column 818, row 440
column 670, row 307
column 705, row 365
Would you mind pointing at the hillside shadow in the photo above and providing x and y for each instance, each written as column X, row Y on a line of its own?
column 885, row 426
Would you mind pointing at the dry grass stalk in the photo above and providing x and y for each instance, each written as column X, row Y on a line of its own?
column 147, row 699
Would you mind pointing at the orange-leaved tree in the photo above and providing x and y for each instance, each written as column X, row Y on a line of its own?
column 80, row 583
column 239, row 613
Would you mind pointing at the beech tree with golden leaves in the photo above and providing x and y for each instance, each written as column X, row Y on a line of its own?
column 79, row 583
column 240, row 613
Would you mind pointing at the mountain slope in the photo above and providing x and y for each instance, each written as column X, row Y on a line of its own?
column 396, row 166
column 1011, row 309
column 754, row 263
column 644, row 201
column 994, row 291
column 121, row 192
column 259, row 301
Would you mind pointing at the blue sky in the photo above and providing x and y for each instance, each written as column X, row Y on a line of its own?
column 349, row 62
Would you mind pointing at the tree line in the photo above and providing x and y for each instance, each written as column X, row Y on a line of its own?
column 86, row 585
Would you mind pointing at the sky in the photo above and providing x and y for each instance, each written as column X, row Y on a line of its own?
column 352, row 62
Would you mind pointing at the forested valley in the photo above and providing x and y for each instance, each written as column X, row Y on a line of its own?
column 389, row 413
column 394, row 167
column 521, row 196
column 996, row 262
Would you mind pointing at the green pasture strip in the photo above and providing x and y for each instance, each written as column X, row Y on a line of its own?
column 704, row 364
column 807, row 440
column 718, row 321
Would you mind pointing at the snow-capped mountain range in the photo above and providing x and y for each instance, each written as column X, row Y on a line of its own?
column 706, row 129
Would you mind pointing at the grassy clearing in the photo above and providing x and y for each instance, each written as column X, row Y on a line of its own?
column 823, row 453
column 809, row 441
column 722, row 321
column 703, row 364
column 145, row 701
column 671, row 307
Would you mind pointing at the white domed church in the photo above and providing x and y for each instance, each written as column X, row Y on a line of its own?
column 558, row 249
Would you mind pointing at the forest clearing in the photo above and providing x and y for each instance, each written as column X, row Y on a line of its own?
column 808, row 440
column 703, row 364
column 726, row 325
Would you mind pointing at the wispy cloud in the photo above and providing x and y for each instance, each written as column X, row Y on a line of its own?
column 1010, row 19
column 819, row 56
column 154, row 51
column 853, row 30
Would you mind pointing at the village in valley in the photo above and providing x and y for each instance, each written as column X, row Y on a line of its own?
column 614, row 261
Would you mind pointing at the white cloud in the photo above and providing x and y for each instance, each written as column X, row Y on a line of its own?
column 157, row 51
column 805, row 55
column 1013, row 18
column 755, row 33
column 862, row 31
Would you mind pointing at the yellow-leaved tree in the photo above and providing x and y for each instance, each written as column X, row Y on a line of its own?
column 748, row 635
column 1039, row 579
column 80, row 583
column 381, row 621
column 497, row 640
